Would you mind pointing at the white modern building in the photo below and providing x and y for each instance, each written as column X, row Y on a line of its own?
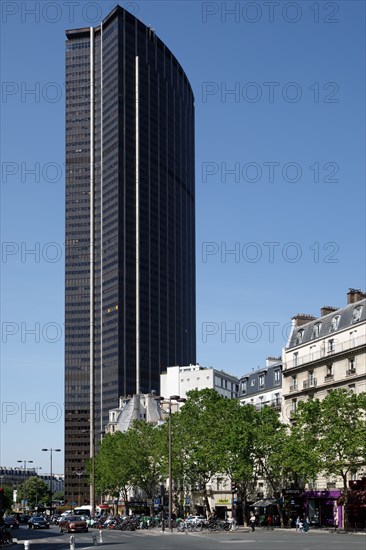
column 180, row 380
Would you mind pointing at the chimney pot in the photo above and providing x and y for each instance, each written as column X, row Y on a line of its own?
column 325, row 310
column 355, row 295
column 303, row 318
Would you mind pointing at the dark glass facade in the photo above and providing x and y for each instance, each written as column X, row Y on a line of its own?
column 130, row 224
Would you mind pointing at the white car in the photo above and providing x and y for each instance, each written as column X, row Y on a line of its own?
column 195, row 519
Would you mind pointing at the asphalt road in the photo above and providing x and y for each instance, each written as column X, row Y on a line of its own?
column 51, row 539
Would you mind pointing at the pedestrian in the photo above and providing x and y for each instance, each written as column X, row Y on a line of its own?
column 297, row 523
column 252, row 521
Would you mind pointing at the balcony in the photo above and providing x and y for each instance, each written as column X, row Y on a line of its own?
column 351, row 372
column 318, row 355
column 311, row 383
column 293, row 387
column 328, row 378
column 276, row 405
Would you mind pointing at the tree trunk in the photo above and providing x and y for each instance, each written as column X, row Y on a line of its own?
column 345, row 503
column 244, row 508
column 125, row 498
column 206, row 501
column 280, row 513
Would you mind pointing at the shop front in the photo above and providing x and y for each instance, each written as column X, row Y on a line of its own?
column 323, row 508
column 293, row 505
column 356, row 504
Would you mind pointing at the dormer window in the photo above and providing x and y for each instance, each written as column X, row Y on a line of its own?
column 316, row 331
column 356, row 315
column 334, row 323
column 299, row 337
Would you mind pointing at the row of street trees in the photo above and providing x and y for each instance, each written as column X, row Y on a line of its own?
column 33, row 490
column 216, row 436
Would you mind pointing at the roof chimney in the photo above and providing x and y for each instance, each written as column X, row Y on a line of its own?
column 302, row 318
column 355, row 295
column 325, row 310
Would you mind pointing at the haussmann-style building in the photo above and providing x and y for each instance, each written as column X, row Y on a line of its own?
column 130, row 225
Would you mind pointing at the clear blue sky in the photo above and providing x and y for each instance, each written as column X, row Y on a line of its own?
column 292, row 208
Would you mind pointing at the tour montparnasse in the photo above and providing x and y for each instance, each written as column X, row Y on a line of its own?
column 130, row 224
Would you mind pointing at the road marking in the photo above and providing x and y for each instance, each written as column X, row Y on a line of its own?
column 238, row 541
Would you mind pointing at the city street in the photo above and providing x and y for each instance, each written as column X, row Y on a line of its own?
column 155, row 540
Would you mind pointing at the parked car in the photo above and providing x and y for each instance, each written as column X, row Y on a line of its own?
column 11, row 522
column 73, row 524
column 23, row 518
column 195, row 519
column 38, row 522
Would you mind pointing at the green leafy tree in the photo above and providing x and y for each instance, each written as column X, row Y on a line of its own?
column 146, row 447
column 6, row 500
column 34, row 490
column 114, row 465
column 199, row 446
column 335, row 429
column 270, row 447
column 239, row 461
column 58, row 495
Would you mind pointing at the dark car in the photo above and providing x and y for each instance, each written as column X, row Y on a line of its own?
column 11, row 522
column 38, row 522
column 23, row 518
column 73, row 524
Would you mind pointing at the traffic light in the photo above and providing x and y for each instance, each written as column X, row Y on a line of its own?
column 234, row 487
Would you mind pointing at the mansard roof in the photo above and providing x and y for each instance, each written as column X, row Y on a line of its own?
column 349, row 316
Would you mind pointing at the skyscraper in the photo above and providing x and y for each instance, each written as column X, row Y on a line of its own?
column 130, row 225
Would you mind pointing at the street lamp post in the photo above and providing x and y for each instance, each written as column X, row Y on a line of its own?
column 51, row 492
column 169, row 400
column 25, row 462
column 79, row 474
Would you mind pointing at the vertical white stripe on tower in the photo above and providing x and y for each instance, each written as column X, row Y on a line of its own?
column 101, row 228
column 137, row 226
column 91, row 261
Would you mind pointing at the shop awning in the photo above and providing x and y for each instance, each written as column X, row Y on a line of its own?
column 264, row 502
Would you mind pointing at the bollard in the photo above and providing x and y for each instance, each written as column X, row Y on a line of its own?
column 72, row 542
column 94, row 539
column 26, row 545
column 100, row 537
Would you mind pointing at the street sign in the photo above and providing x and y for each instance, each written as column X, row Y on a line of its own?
column 187, row 501
column 156, row 501
column 73, row 503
